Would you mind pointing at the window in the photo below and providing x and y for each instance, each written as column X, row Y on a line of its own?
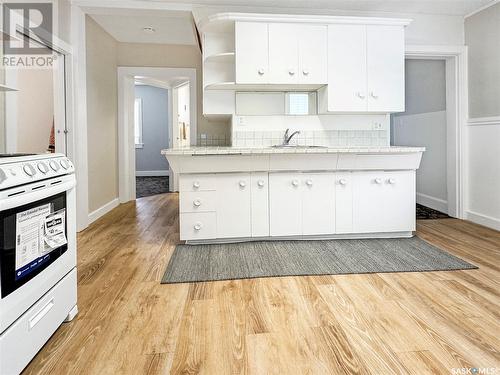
column 298, row 103
column 138, row 123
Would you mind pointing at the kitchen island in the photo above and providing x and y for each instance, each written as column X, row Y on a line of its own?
column 230, row 194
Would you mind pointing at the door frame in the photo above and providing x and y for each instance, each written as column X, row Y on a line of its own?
column 175, row 110
column 126, row 96
column 456, row 76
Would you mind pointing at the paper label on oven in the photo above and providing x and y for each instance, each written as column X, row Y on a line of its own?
column 29, row 230
column 54, row 231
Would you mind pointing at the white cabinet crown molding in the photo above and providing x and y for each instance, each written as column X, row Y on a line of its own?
column 225, row 21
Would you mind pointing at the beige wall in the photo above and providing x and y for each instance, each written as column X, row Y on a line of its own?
column 101, row 115
column 172, row 56
column 482, row 36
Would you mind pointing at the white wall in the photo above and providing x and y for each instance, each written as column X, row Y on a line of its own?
column 482, row 35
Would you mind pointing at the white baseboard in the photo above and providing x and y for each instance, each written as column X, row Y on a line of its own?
column 152, row 173
column 101, row 211
column 481, row 219
column 432, row 202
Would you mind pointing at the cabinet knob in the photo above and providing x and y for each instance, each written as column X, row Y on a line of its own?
column 392, row 181
column 373, row 95
column 360, row 95
column 378, row 181
column 242, row 184
column 295, row 182
column 198, row 226
column 343, row 181
column 196, row 184
column 305, row 72
column 260, row 183
column 309, row 182
column 197, row 202
column 260, row 71
column 291, row 72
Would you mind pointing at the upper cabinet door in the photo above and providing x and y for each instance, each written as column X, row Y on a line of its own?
column 386, row 59
column 347, row 68
column 313, row 47
column 251, row 50
column 283, row 53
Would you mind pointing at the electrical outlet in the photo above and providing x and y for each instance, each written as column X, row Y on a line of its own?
column 203, row 136
column 377, row 126
column 241, row 120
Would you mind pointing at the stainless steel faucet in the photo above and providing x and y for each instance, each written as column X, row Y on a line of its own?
column 287, row 138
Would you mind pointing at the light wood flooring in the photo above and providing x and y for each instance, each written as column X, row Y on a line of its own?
column 394, row 323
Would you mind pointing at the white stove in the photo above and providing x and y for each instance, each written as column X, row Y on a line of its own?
column 37, row 253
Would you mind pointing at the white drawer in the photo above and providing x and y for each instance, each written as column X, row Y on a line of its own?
column 24, row 338
column 200, row 201
column 198, row 226
column 197, row 182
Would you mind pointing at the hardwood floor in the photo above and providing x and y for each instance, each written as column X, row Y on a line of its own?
column 394, row 323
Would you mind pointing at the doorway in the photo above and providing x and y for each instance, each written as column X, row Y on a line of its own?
column 181, row 83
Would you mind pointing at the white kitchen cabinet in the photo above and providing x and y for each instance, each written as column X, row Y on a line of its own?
column 318, row 203
column 383, row 201
column 233, row 205
column 343, row 202
column 283, row 53
column 285, row 206
column 260, row 204
column 251, row 52
column 301, row 204
column 365, row 69
column 385, row 68
column 313, row 47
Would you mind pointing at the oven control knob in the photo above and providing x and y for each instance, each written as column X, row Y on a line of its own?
column 54, row 166
column 64, row 163
column 29, row 170
column 3, row 176
column 42, row 167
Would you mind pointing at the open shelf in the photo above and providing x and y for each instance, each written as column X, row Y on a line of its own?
column 264, row 87
column 4, row 88
column 223, row 57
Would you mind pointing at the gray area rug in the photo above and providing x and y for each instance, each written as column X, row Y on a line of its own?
column 192, row 263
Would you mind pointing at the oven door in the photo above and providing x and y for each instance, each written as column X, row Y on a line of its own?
column 37, row 243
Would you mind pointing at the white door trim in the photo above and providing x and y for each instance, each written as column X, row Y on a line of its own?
column 456, row 75
column 126, row 147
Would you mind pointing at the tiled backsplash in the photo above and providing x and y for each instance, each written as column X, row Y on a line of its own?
column 331, row 138
column 211, row 140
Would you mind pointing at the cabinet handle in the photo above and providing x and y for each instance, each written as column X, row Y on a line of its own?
column 343, row 181
column 260, row 183
column 305, row 72
column 291, row 72
column 309, row 182
column 372, row 94
column 378, row 181
column 392, row 181
column 295, row 182
column 242, row 184
column 360, row 95
column 198, row 226
column 260, row 71
column 196, row 184
column 197, row 202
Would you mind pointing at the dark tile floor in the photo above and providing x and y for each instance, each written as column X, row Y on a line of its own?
column 426, row 213
column 147, row 186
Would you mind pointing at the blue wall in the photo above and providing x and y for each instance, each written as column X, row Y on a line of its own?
column 154, row 128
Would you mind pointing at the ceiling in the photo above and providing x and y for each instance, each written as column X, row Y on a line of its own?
column 171, row 27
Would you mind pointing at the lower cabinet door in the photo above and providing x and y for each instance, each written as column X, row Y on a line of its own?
column 233, row 199
column 343, row 202
column 260, row 204
column 383, row 201
column 285, row 212
column 318, row 203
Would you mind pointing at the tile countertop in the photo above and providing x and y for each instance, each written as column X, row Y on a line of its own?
column 198, row 150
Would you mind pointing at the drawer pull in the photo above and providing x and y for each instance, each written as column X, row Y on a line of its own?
column 196, row 184
column 260, row 183
column 378, row 181
column 243, row 184
column 295, row 182
column 309, row 182
column 392, row 181
column 39, row 316
column 197, row 203
column 343, row 181
column 198, row 226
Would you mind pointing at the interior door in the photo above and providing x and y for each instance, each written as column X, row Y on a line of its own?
column 283, row 53
column 313, row 51
column 182, row 122
column 285, row 207
column 318, row 203
column 386, row 64
column 251, row 50
column 347, row 68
